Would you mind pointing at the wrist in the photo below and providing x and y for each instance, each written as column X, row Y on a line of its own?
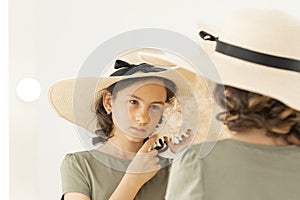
column 133, row 181
column 127, row 188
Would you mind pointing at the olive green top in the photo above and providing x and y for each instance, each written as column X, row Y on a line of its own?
column 97, row 174
column 235, row 170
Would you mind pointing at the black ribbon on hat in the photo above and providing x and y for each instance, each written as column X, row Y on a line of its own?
column 125, row 68
column 252, row 56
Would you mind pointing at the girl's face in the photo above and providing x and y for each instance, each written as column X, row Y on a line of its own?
column 137, row 109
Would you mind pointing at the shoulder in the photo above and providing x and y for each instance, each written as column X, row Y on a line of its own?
column 196, row 150
column 75, row 173
column 81, row 155
column 77, row 160
column 187, row 169
column 199, row 152
column 77, row 156
column 186, row 156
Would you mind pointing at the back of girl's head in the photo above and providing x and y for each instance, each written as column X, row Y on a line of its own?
column 245, row 110
column 104, row 119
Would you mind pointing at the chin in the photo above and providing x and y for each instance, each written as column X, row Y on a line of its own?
column 135, row 139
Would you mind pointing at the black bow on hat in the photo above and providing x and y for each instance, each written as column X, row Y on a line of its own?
column 129, row 69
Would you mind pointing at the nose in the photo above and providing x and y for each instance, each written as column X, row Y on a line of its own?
column 142, row 117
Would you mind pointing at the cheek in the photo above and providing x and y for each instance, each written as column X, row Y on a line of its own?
column 130, row 113
column 155, row 117
column 121, row 116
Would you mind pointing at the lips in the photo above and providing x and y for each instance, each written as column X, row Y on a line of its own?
column 138, row 132
column 141, row 130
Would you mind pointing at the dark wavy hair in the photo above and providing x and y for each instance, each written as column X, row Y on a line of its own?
column 105, row 120
column 245, row 110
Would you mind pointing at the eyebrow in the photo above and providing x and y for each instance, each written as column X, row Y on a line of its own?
column 155, row 102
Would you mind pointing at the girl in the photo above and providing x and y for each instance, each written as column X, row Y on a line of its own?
column 129, row 107
column 261, row 102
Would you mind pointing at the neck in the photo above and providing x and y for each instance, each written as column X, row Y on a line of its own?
column 258, row 136
column 124, row 144
column 120, row 146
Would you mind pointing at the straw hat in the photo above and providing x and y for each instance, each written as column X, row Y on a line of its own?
column 74, row 99
column 259, row 51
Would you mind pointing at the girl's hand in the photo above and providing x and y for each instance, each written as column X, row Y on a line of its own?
column 141, row 169
column 145, row 164
column 184, row 140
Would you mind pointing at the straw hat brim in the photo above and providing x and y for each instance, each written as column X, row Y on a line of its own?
column 74, row 99
column 277, row 83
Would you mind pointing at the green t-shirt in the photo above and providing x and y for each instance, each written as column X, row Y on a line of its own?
column 235, row 170
column 88, row 173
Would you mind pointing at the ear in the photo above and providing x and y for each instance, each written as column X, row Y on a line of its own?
column 107, row 101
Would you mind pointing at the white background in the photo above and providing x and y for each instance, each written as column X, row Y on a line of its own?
column 49, row 41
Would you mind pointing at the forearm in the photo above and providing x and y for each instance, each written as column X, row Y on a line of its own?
column 127, row 188
column 141, row 169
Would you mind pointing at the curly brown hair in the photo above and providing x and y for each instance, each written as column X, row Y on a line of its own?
column 245, row 110
column 105, row 121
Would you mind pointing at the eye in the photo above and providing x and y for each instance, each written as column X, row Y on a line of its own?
column 156, row 107
column 133, row 102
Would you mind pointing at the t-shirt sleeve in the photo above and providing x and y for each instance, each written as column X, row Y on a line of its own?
column 186, row 177
column 74, row 175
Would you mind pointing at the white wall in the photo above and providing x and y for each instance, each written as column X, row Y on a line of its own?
column 4, row 102
column 23, row 122
column 49, row 40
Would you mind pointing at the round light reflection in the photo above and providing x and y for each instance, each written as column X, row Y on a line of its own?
column 28, row 89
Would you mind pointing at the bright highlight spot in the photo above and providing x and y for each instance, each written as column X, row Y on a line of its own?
column 28, row 89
